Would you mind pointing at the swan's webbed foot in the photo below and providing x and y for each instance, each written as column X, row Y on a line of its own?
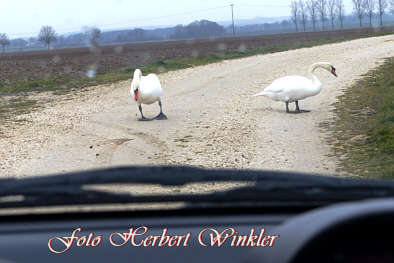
column 298, row 110
column 161, row 116
column 293, row 112
column 144, row 119
column 142, row 115
column 289, row 111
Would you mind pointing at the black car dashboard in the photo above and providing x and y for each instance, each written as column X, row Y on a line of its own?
column 273, row 217
column 347, row 232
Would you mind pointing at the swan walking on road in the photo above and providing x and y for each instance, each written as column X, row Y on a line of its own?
column 146, row 90
column 295, row 88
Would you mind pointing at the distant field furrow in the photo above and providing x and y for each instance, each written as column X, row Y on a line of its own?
column 36, row 65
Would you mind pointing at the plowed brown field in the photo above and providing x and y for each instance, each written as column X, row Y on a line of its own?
column 22, row 66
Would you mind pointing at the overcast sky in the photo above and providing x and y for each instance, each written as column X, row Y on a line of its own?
column 24, row 18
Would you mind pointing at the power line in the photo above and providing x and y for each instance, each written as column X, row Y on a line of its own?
column 132, row 21
column 190, row 12
column 232, row 18
column 173, row 15
column 64, row 30
column 263, row 6
column 154, row 18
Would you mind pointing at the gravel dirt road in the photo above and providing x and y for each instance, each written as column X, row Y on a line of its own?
column 213, row 121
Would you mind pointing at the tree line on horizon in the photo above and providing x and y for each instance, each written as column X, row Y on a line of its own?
column 311, row 13
column 315, row 11
column 91, row 35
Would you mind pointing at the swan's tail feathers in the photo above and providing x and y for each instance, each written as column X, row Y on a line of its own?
column 258, row 94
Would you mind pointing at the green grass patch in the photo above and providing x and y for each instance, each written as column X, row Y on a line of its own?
column 162, row 66
column 61, row 85
column 363, row 132
column 16, row 107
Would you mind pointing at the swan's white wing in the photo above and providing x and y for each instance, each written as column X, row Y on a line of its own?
column 289, row 83
column 153, row 79
column 150, row 89
column 289, row 88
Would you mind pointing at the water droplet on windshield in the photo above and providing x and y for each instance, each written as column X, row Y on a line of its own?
column 91, row 73
column 195, row 53
column 56, row 59
column 146, row 57
column 242, row 48
column 222, row 47
column 67, row 69
column 161, row 69
column 118, row 49
column 42, row 64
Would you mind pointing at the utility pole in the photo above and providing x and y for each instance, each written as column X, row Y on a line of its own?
column 232, row 16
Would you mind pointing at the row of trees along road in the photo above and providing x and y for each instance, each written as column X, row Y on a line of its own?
column 48, row 35
column 197, row 29
column 322, row 10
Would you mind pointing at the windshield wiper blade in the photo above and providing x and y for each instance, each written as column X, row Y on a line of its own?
column 269, row 186
column 180, row 175
column 317, row 193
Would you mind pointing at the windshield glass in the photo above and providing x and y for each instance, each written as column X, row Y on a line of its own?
column 286, row 86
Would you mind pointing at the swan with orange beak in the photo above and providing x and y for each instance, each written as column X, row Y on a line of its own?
column 147, row 90
column 294, row 88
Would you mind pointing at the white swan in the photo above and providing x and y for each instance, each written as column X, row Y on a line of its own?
column 295, row 88
column 146, row 90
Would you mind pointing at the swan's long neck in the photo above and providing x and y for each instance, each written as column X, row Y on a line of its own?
column 136, row 78
column 316, row 82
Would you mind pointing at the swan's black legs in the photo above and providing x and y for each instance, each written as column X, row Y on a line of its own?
column 161, row 116
column 297, row 108
column 287, row 107
column 142, row 115
column 289, row 111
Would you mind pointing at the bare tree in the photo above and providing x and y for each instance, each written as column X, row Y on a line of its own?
column 4, row 40
column 303, row 13
column 332, row 11
column 92, row 33
column 285, row 24
column 32, row 40
column 382, row 6
column 369, row 6
column 340, row 11
column 311, row 5
column 47, row 35
column 358, row 9
column 321, row 10
column 295, row 13
column 392, row 6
